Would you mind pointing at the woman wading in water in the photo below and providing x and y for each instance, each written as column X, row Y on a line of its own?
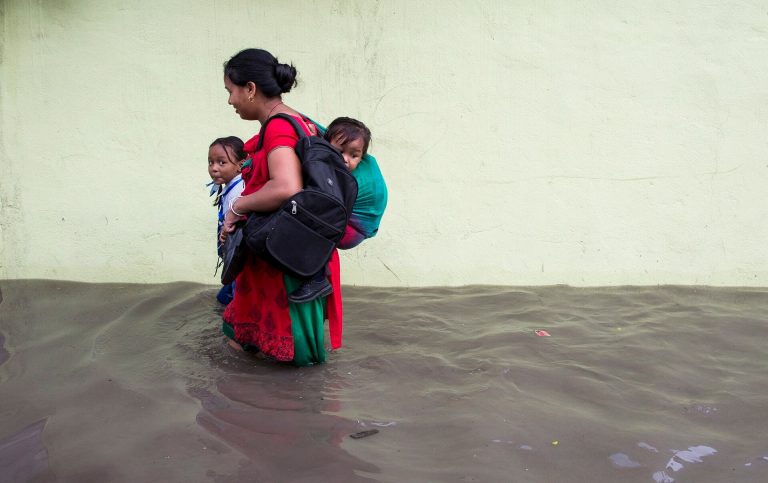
column 260, row 316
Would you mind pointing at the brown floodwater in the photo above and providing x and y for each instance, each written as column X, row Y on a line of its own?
column 134, row 383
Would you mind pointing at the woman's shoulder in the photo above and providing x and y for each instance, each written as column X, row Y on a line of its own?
column 278, row 126
column 286, row 126
column 279, row 132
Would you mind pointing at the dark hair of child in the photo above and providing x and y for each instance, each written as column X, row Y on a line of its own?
column 345, row 129
column 234, row 143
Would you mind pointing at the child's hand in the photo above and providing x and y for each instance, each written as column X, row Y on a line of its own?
column 230, row 219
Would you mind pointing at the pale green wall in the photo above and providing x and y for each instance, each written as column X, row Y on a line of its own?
column 527, row 142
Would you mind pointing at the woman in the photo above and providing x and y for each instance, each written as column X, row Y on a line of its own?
column 260, row 316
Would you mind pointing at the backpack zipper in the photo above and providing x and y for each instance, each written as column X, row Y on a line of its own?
column 293, row 207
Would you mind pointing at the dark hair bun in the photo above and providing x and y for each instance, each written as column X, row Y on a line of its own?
column 285, row 76
column 263, row 69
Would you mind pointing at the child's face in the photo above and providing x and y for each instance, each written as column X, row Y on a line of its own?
column 352, row 151
column 220, row 168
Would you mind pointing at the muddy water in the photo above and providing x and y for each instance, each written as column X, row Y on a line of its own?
column 127, row 383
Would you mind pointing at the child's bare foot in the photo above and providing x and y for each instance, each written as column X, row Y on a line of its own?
column 235, row 345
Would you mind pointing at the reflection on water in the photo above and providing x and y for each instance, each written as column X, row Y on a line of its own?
column 134, row 383
column 22, row 454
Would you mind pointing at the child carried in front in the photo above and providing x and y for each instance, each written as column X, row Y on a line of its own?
column 225, row 158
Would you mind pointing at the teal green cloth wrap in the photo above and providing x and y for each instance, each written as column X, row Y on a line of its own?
column 370, row 203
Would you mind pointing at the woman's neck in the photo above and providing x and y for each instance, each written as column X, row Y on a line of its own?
column 272, row 107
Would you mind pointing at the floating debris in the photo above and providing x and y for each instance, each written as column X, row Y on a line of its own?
column 541, row 333
column 364, row 434
column 694, row 453
column 648, row 447
column 383, row 425
column 620, row 460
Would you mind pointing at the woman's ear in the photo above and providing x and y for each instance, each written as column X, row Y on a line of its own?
column 251, row 89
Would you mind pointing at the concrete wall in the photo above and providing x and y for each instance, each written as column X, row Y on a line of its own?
column 527, row 142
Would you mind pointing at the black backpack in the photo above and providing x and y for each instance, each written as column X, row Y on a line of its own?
column 300, row 236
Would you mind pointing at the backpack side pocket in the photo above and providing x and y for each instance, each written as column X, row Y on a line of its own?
column 298, row 247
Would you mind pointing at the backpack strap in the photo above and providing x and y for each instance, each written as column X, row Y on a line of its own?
column 299, row 131
column 231, row 186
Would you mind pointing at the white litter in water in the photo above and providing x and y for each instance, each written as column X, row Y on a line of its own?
column 384, row 425
column 674, row 465
column 695, row 453
column 700, row 408
column 620, row 460
column 662, row 477
column 648, row 447
column 692, row 455
column 526, row 447
column 747, row 464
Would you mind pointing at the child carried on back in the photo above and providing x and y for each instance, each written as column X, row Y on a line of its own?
column 352, row 138
column 371, row 189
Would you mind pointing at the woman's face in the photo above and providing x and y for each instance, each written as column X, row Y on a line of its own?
column 239, row 99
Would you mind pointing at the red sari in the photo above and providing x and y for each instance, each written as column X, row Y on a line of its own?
column 260, row 315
